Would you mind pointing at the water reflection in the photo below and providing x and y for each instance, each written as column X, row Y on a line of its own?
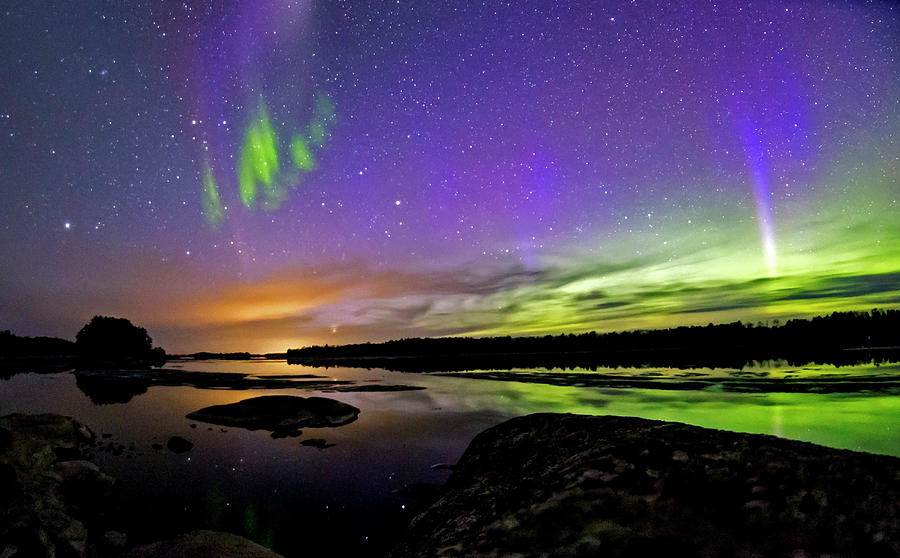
column 356, row 495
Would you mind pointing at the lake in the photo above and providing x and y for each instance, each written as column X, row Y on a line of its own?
column 356, row 496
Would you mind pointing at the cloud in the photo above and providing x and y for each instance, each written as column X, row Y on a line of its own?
column 849, row 286
column 352, row 302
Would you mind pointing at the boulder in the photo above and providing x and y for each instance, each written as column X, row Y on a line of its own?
column 279, row 413
column 203, row 544
column 569, row 485
column 52, row 498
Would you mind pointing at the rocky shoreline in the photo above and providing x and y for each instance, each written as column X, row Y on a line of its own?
column 51, row 493
column 570, row 485
column 538, row 485
column 55, row 502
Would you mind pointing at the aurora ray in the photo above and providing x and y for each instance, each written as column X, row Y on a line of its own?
column 762, row 194
column 212, row 204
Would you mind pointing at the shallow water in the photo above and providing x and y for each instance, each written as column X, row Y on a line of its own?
column 345, row 500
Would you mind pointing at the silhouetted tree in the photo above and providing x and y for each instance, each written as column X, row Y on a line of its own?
column 116, row 339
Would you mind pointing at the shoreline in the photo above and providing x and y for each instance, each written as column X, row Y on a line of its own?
column 534, row 483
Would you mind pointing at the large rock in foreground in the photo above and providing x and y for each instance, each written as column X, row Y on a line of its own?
column 279, row 413
column 569, row 485
column 52, row 500
column 203, row 544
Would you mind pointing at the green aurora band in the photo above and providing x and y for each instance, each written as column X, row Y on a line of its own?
column 258, row 163
column 316, row 132
column 212, row 204
column 303, row 158
column 852, row 262
column 261, row 183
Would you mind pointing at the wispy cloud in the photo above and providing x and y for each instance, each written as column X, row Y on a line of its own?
column 350, row 303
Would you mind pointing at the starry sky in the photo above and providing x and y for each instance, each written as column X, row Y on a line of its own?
column 263, row 175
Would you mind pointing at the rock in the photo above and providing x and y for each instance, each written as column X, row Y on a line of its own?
column 9, row 484
column 67, row 454
column 569, row 485
column 316, row 443
column 157, row 446
column 279, row 412
column 112, row 543
column 286, row 433
column 5, row 438
column 203, row 544
column 51, row 498
column 177, row 444
column 84, row 483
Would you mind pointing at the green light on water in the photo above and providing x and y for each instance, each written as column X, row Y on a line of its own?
column 212, row 204
column 258, row 163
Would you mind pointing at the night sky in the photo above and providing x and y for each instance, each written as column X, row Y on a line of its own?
column 264, row 175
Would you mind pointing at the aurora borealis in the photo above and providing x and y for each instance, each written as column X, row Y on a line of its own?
column 257, row 176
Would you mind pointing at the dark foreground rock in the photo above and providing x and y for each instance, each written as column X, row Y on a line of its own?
column 203, row 544
column 569, row 485
column 177, row 444
column 56, row 503
column 279, row 413
column 51, row 499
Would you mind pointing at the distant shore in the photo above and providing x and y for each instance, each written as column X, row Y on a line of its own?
column 669, row 358
column 841, row 338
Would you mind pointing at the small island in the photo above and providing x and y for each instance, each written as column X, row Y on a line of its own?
column 279, row 413
column 115, row 343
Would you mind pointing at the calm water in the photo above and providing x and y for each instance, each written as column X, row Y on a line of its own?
column 355, row 497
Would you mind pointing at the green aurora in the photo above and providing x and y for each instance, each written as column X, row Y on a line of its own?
column 260, row 179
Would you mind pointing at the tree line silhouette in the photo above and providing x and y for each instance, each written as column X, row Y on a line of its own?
column 839, row 338
column 15, row 346
column 102, row 342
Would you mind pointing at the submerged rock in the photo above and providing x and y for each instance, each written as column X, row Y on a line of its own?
column 276, row 434
column 279, row 413
column 203, row 544
column 320, row 443
column 569, row 485
column 107, row 386
column 378, row 388
column 177, row 444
